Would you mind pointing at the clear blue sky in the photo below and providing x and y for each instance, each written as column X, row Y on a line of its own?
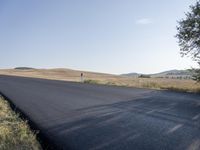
column 113, row 36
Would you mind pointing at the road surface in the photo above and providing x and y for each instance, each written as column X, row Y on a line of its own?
column 75, row 116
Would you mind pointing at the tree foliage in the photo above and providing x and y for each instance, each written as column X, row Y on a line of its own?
column 196, row 75
column 189, row 35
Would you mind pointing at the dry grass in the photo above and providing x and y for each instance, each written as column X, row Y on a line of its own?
column 92, row 77
column 155, row 83
column 57, row 74
column 15, row 134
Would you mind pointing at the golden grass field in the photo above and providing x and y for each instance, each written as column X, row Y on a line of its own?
column 15, row 134
column 109, row 79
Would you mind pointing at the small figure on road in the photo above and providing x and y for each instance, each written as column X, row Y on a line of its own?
column 82, row 80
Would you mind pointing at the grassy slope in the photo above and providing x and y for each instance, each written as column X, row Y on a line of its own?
column 15, row 134
column 59, row 74
column 91, row 77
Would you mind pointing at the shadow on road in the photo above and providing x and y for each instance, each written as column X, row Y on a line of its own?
column 151, row 123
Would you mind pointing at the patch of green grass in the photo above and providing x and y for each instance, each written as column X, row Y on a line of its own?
column 110, row 83
column 151, row 85
column 15, row 134
column 177, row 89
column 91, row 81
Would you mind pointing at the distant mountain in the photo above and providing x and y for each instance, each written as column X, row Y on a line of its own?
column 172, row 73
column 23, row 68
column 131, row 74
column 165, row 74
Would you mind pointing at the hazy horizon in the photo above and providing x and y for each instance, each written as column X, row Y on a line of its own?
column 112, row 36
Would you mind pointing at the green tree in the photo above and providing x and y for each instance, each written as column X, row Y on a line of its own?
column 189, row 36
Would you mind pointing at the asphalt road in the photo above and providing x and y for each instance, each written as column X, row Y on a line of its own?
column 76, row 116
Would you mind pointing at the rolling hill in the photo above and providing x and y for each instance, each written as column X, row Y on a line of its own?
column 165, row 74
column 57, row 73
column 164, row 80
